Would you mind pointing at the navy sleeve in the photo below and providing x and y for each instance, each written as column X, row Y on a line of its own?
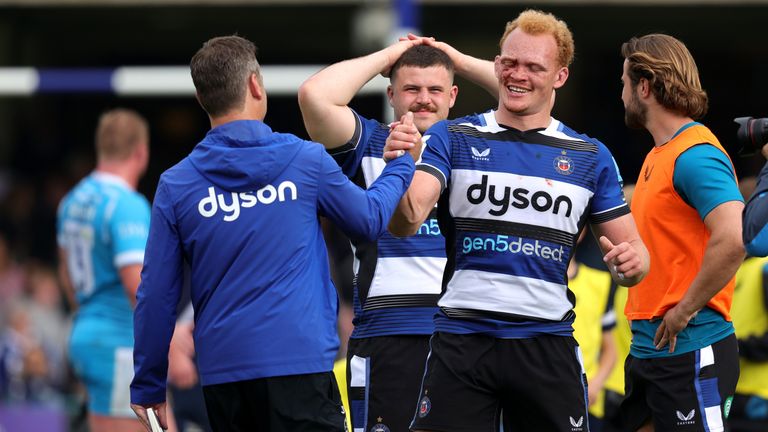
column 350, row 155
column 363, row 214
column 704, row 178
column 156, row 300
column 756, row 217
column 608, row 203
column 436, row 153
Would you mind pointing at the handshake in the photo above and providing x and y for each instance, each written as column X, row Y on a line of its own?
column 403, row 137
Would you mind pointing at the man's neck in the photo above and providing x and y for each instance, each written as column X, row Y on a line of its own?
column 252, row 112
column 523, row 122
column 663, row 125
column 125, row 172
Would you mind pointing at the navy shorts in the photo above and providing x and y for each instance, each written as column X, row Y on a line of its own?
column 473, row 381
column 383, row 378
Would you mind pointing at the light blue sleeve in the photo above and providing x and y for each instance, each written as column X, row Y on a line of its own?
column 129, row 228
column 704, row 178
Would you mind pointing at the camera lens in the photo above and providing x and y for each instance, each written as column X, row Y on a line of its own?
column 759, row 131
column 752, row 134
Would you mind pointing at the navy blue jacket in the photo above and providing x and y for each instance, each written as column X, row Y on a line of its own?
column 242, row 209
column 756, row 218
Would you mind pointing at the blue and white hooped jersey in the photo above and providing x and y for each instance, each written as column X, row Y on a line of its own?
column 512, row 207
column 103, row 225
column 397, row 280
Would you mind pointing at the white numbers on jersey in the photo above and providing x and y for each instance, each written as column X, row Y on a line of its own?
column 78, row 242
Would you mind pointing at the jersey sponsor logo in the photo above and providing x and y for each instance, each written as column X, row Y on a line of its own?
column 480, row 155
column 86, row 212
column 209, row 206
column 429, row 227
column 647, row 173
column 132, row 229
column 685, row 419
column 563, row 164
column 503, row 243
column 520, row 198
column 576, row 425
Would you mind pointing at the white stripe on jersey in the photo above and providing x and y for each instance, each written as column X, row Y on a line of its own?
column 128, row 258
column 497, row 292
column 372, row 168
column 491, row 125
column 407, row 275
column 461, row 207
column 608, row 210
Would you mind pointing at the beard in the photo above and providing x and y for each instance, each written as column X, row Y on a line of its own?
column 635, row 114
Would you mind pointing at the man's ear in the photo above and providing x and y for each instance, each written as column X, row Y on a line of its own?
column 255, row 87
column 561, row 77
column 452, row 96
column 643, row 88
column 390, row 94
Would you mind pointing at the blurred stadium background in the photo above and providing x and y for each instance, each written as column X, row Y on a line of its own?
column 62, row 62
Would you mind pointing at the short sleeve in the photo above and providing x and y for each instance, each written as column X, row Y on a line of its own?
column 704, row 178
column 129, row 228
column 436, row 153
column 608, row 202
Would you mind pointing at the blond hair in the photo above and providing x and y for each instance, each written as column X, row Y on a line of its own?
column 670, row 70
column 536, row 22
column 119, row 131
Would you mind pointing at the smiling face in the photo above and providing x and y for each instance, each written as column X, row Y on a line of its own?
column 427, row 92
column 528, row 71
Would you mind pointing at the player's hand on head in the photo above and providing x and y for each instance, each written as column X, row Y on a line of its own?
column 403, row 137
column 394, row 51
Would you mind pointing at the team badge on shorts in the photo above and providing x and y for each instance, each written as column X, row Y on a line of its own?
column 378, row 427
column 563, row 164
column 424, row 406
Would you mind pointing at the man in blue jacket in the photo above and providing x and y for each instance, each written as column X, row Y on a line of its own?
column 242, row 210
column 755, row 231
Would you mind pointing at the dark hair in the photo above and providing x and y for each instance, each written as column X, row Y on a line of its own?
column 670, row 70
column 220, row 71
column 422, row 56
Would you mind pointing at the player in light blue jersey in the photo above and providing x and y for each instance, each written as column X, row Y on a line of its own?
column 102, row 230
column 397, row 281
column 515, row 189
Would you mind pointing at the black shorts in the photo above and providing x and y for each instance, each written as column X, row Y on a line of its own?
column 383, row 378
column 538, row 384
column 292, row 403
column 687, row 392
